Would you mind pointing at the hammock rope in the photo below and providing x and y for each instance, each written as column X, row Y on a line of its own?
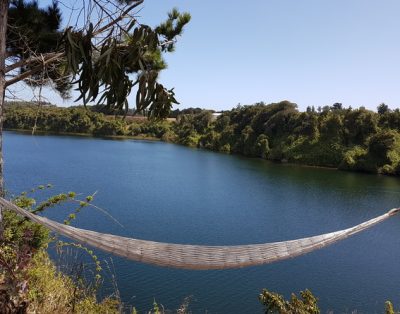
column 197, row 256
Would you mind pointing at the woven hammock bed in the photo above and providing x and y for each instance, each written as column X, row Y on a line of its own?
column 197, row 256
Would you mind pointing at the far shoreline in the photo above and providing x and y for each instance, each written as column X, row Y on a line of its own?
column 155, row 139
column 116, row 137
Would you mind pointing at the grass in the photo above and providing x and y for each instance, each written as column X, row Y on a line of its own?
column 50, row 291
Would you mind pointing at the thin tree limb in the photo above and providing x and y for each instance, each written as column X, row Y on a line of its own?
column 24, row 62
column 32, row 71
column 118, row 19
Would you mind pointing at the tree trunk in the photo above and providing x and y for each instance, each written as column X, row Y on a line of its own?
column 3, row 35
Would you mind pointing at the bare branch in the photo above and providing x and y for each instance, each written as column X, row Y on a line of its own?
column 118, row 19
column 32, row 71
column 25, row 62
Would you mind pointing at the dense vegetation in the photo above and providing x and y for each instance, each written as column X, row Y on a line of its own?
column 79, row 120
column 348, row 139
column 344, row 138
column 30, row 281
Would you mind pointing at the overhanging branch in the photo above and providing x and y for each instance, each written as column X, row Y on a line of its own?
column 34, row 70
column 25, row 62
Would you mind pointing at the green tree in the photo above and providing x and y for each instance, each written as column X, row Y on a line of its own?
column 382, row 108
column 337, row 106
column 359, row 125
column 106, row 56
column 202, row 121
column 309, row 125
column 384, row 149
column 332, row 127
column 390, row 120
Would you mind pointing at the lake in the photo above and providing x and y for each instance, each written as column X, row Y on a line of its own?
column 170, row 193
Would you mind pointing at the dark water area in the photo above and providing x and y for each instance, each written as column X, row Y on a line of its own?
column 171, row 193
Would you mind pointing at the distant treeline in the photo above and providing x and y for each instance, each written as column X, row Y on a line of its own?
column 332, row 136
column 79, row 120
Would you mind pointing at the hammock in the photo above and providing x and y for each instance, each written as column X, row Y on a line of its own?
column 197, row 256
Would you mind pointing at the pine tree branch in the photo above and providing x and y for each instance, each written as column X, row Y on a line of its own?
column 52, row 57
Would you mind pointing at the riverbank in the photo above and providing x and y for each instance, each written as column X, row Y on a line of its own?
column 111, row 137
column 154, row 139
column 347, row 139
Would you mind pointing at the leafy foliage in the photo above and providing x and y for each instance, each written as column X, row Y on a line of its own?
column 80, row 120
column 32, row 29
column 105, row 59
column 358, row 139
column 275, row 303
column 101, row 70
column 29, row 281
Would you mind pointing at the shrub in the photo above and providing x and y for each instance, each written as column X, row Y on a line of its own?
column 275, row 303
column 29, row 281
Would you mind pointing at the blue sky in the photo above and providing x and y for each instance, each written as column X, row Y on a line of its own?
column 310, row 52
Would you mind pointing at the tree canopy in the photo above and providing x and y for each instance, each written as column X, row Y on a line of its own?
column 105, row 55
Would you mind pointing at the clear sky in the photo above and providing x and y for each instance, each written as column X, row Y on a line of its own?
column 311, row 52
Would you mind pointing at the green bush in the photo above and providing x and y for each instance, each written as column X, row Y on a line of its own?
column 29, row 281
column 274, row 303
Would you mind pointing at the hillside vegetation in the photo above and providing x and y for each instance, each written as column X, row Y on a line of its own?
column 343, row 138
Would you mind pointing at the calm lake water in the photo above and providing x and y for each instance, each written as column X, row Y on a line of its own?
column 170, row 193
